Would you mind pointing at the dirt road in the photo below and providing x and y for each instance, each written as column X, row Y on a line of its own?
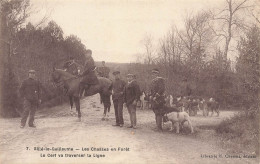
column 93, row 140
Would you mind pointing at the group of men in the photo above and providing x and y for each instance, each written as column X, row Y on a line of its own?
column 123, row 93
column 129, row 94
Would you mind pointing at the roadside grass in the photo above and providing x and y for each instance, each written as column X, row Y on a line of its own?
column 240, row 133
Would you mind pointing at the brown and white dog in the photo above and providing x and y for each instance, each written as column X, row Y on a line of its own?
column 179, row 118
column 144, row 101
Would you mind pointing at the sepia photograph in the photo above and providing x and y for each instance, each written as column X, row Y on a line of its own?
column 129, row 81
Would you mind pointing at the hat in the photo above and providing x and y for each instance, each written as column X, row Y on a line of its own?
column 116, row 72
column 155, row 70
column 132, row 75
column 32, row 71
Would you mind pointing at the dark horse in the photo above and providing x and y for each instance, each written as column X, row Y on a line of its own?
column 71, row 83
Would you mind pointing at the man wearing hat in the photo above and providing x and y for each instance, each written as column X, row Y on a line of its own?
column 132, row 94
column 104, row 70
column 30, row 92
column 68, row 63
column 89, row 76
column 71, row 66
column 157, row 89
column 117, row 97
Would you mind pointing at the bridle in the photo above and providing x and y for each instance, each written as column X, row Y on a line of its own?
column 60, row 83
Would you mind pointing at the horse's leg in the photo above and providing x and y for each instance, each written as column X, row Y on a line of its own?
column 104, row 114
column 71, row 104
column 77, row 104
column 101, row 99
column 107, row 104
column 108, row 110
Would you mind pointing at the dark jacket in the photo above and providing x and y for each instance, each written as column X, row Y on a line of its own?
column 89, row 73
column 89, row 65
column 157, row 86
column 118, row 89
column 131, row 92
column 103, row 71
column 30, row 90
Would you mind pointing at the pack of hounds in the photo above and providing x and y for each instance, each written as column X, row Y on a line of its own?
column 189, row 104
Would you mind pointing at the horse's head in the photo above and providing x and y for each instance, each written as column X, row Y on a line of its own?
column 59, row 75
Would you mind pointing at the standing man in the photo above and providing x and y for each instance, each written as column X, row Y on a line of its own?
column 131, row 96
column 104, row 70
column 117, row 96
column 30, row 92
column 157, row 89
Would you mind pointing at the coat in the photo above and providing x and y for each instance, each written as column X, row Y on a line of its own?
column 89, row 73
column 131, row 93
column 103, row 71
column 157, row 86
column 118, row 89
column 30, row 90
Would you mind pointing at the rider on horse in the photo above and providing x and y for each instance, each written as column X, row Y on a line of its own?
column 89, row 76
column 71, row 66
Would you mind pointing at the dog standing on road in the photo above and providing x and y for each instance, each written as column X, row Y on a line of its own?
column 144, row 102
column 179, row 118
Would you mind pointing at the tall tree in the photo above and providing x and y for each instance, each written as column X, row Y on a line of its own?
column 149, row 49
column 13, row 15
column 248, row 67
column 229, row 21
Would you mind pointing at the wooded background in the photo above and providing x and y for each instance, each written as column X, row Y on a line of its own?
column 196, row 56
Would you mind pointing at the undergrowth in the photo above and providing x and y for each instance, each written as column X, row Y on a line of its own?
column 241, row 132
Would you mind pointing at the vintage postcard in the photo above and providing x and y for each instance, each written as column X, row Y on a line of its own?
column 129, row 81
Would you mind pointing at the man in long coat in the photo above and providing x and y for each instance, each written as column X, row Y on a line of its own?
column 157, row 89
column 89, row 76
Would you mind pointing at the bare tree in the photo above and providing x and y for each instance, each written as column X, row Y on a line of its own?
column 171, row 50
column 229, row 21
column 196, row 38
column 255, row 11
column 149, row 49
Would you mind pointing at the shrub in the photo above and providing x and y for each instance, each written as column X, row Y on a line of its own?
column 242, row 129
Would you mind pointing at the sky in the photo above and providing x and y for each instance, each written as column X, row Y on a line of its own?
column 114, row 29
